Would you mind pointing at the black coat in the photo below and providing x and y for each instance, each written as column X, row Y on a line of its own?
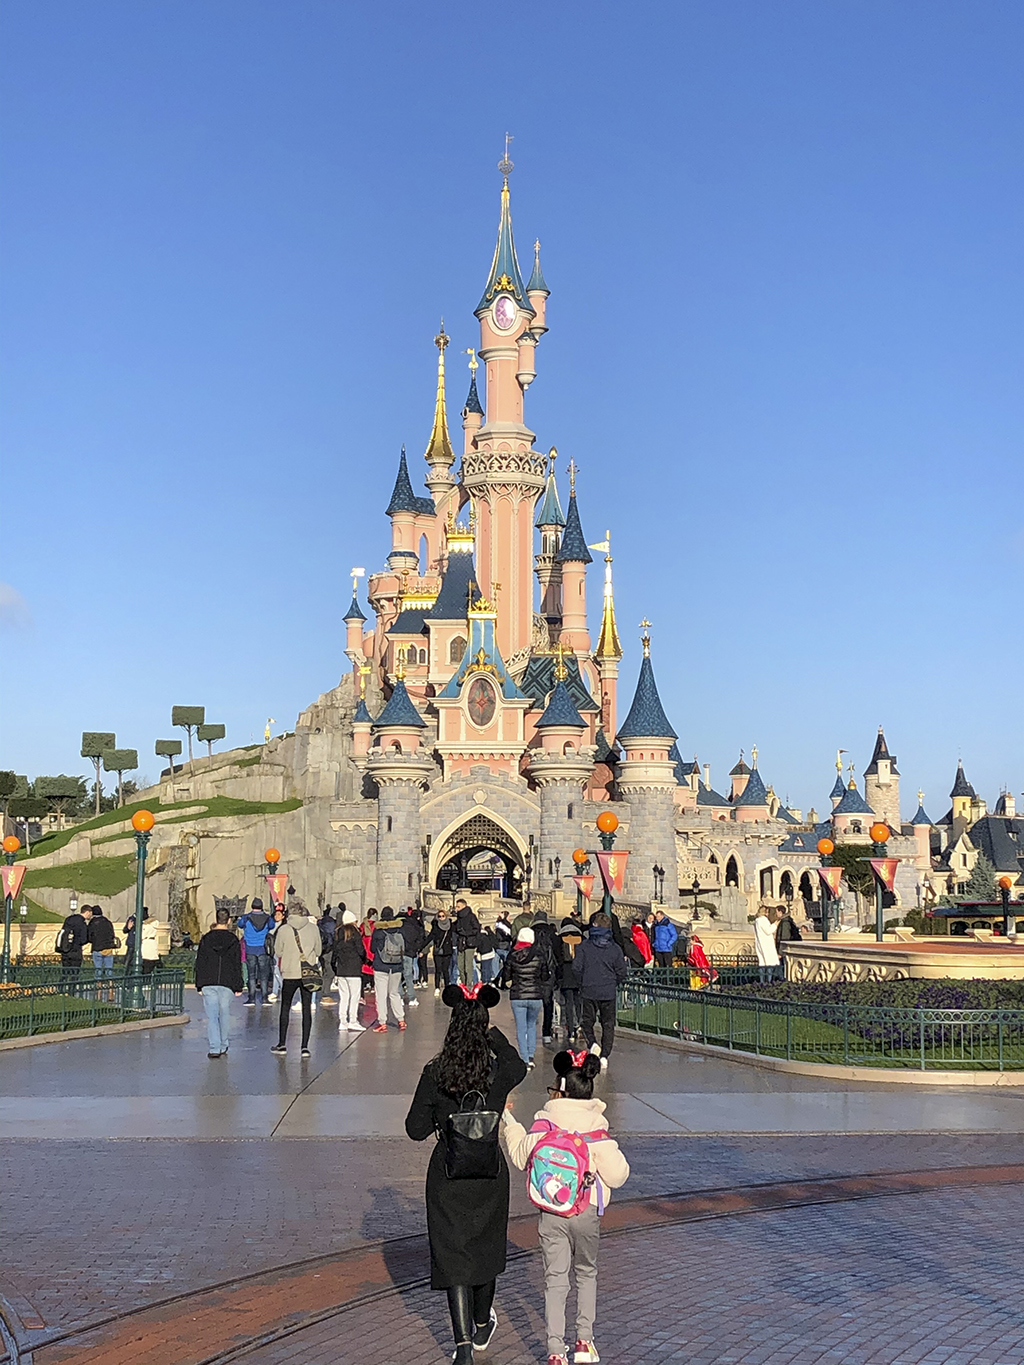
column 600, row 965
column 467, row 1220
column 527, row 974
column 414, row 934
column 73, row 936
column 101, row 933
column 219, row 961
column 442, row 938
column 467, row 929
column 348, row 955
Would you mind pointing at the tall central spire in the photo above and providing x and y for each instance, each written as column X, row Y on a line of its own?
column 608, row 645
column 440, row 455
column 505, row 276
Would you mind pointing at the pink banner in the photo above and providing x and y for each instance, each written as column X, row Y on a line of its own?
column 831, row 876
column 13, row 877
column 278, row 884
column 613, row 870
column 885, row 870
column 586, row 885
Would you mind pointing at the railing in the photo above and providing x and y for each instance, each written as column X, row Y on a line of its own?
column 730, row 969
column 848, row 1035
column 46, row 970
column 79, row 1001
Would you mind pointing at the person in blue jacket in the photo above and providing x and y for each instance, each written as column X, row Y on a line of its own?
column 663, row 939
column 255, row 926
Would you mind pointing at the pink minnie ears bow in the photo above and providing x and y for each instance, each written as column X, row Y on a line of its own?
column 578, row 1058
column 470, row 992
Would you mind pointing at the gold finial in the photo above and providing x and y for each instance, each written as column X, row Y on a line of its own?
column 552, row 457
column 920, row 797
column 561, row 672
column 357, row 574
column 442, row 340
column 400, row 667
column 753, row 757
column 608, row 646
column 839, row 760
column 506, row 165
column 474, row 364
column 364, row 673
column 573, row 469
column 645, row 638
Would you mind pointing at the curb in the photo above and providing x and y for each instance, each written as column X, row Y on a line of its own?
column 828, row 1071
column 100, row 1031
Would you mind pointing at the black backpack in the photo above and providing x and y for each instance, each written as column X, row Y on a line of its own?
column 471, row 1140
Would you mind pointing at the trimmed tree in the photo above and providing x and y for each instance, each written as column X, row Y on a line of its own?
column 210, row 733
column 95, row 744
column 60, row 791
column 168, row 748
column 120, row 761
column 189, row 718
column 981, row 884
column 8, row 787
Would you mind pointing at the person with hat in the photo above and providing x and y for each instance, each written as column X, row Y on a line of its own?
column 348, row 958
column 256, row 926
column 525, row 976
column 467, row 1217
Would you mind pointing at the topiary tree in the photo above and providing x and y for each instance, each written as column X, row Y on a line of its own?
column 95, row 743
column 168, row 748
column 8, row 787
column 189, row 718
column 120, row 761
column 59, row 792
column 210, row 733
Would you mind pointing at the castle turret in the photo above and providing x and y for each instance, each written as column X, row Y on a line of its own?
column 407, row 513
column 963, row 794
column 537, row 292
column 354, row 622
column 472, row 409
column 550, row 521
column 882, row 784
column 647, row 780
column 838, row 786
column 400, row 772
column 559, row 770
column 753, row 803
column 362, row 721
column 609, row 650
column 573, row 558
column 852, row 815
column 739, row 774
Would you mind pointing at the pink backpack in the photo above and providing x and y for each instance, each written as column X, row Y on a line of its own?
column 558, row 1174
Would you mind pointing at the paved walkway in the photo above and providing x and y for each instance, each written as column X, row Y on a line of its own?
column 203, row 1186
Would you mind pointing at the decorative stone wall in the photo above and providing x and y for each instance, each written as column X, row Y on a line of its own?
column 651, row 840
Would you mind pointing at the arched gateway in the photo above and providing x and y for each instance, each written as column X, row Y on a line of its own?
column 459, row 857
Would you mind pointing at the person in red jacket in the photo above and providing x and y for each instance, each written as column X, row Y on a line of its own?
column 642, row 942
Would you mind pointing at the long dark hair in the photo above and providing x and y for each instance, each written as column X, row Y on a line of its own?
column 349, row 933
column 464, row 1062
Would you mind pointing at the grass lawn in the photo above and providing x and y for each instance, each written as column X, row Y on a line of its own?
column 91, row 876
column 213, row 806
column 37, row 914
column 52, row 1014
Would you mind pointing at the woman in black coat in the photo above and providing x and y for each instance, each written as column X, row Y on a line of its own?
column 467, row 1220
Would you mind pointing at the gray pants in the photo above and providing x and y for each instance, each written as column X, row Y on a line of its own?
column 565, row 1243
column 387, row 987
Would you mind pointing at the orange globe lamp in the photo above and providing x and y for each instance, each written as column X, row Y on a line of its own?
column 826, row 847
column 143, row 821
column 579, row 855
column 607, row 822
column 12, row 843
column 1004, row 882
column 879, row 832
column 272, row 855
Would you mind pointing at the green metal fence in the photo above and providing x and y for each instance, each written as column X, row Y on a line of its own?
column 731, row 969
column 850, row 1035
column 81, row 1002
column 46, row 969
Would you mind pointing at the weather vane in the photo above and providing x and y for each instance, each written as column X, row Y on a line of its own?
column 506, row 165
column 474, row 364
column 573, row 469
column 645, row 638
column 441, row 340
column 357, row 574
column 561, row 672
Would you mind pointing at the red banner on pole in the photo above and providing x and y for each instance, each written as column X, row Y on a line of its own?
column 885, row 870
column 278, row 884
column 613, row 870
column 13, row 878
column 831, row 876
column 586, row 885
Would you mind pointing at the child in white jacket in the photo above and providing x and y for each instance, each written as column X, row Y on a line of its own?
column 572, row 1241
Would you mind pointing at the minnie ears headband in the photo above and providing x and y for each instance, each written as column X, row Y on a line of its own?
column 587, row 1062
column 484, row 994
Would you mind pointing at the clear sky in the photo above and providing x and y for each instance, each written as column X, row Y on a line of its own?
column 784, row 248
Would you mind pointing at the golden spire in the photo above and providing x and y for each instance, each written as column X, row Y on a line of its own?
column 645, row 638
column 561, row 672
column 608, row 646
column 439, row 447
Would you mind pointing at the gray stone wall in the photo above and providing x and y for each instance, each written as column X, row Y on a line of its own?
column 560, row 833
column 652, row 839
column 398, row 843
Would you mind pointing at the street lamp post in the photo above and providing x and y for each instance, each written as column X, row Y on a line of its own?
column 880, row 833
column 11, row 845
column 557, row 884
column 607, row 824
column 142, row 823
column 695, row 888
column 582, row 865
column 825, row 850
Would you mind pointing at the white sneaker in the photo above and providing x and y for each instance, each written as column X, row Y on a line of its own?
column 604, row 1063
column 411, row 1004
column 272, row 997
column 437, row 993
column 343, row 1025
column 356, row 1028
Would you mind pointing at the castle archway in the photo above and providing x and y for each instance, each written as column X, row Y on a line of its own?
column 479, row 851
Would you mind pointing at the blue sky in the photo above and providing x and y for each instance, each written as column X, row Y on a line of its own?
column 783, row 243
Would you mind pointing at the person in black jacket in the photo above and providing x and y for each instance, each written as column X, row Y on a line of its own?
column 467, row 1220
column 600, row 965
column 442, row 947
column 72, row 937
column 348, row 957
column 415, row 936
column 546, row 939
column 467, row 936
column 526, row 976
column 218, row 978
column 103, row 941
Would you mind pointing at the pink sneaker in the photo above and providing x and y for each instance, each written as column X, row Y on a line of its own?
column 557, row 1360
column 585, row 1353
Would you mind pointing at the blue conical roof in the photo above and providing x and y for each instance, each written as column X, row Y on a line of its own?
column 881, row 751
column 550, row 513
column 362, row 715
column 538, row 284
column 961, row 787
column 754, row 793
column 646, row 719
column 403, row 499
column 838, row 788
column 452, row 601
column 472, row 403
column 399, row 710
column 921, row 816
column 852, row 803
column 354, row 612
column 505, row 276
column 561, row 710
column 573, row 546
